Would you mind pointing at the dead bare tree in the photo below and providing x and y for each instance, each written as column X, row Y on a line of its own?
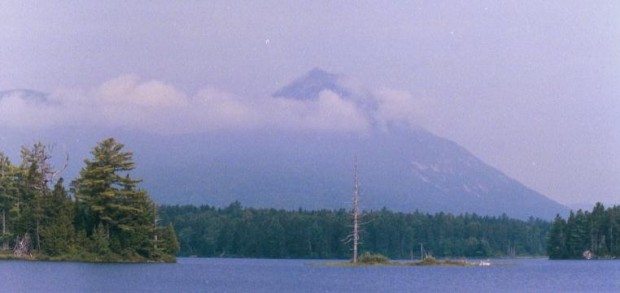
column 37, row 160
column 354, row 237
column 22, row 246
column 356, row 190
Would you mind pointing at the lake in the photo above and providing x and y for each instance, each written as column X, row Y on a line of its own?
column 263, row 275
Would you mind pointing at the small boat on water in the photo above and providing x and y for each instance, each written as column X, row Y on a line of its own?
column 484, row 263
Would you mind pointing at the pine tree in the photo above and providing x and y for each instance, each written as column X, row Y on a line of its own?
column 599, row 225
column 556, row 243
column 109, row 200
column 170, row 244
column 35, row 174
column 577, row 233
column 57, row 232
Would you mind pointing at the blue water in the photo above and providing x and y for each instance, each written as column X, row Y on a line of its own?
column 259, row 275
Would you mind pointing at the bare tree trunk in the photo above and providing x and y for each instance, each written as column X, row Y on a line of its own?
column 355, row 213
column 22, row 246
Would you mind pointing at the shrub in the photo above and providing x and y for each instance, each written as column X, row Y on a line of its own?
column 373, row 258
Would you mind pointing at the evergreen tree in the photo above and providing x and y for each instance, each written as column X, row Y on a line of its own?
column 58, row 231
column 577, row 234
column 169, row 242
column 110, row 205
column 556, row 243
column 8, row 196
column 111, row 219
column 35, row 174
column 249, row 232
column 599, row 226
column 586, row 234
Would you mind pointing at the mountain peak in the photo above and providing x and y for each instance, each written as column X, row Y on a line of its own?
column 25, row 94
column 311, row 84
column 317, row 71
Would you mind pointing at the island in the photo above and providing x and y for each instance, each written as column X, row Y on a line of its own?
column 103, row 217
column 377, row 259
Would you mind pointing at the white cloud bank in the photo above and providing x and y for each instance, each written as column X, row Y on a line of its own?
column 158, row 107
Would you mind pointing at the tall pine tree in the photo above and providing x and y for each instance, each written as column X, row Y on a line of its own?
column 111, row 205
column 556, row 243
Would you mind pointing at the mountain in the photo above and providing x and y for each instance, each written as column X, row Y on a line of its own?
column 401, row 168
column 311, row 85
column 25, row 94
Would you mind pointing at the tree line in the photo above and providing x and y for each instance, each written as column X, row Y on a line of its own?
column 104, row 216
column 586, row 234
column 236, row 231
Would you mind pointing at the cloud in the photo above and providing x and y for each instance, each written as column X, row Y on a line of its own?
column 158, row 107
column 328, row 112
column 396, row 107
column 19, row 112
column 129, row 90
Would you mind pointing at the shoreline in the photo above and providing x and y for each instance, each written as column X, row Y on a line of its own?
column 82, row 259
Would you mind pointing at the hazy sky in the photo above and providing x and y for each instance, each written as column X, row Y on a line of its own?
column 531, row 87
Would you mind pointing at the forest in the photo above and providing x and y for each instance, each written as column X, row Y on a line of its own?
column 586, row 234
column 103, row 217
column 237, row 231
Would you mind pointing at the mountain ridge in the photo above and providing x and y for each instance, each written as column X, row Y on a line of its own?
column 315, row 171
column 402, row 168
column 310, row 85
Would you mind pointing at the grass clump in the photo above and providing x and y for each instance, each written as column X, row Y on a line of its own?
column 431, row 261
column 428, row 261
column 373, row 259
